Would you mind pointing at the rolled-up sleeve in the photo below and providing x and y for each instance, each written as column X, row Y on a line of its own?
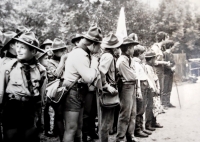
column 105, row 63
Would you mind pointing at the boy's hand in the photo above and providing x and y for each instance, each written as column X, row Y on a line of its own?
column 112, row 90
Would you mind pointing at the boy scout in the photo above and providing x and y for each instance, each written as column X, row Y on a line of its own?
column 78, row 66
column 127, row 114
column 55, row 70
column 107, row 68
column 22, row 86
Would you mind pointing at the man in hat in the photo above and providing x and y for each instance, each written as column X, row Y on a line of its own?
column 22, row 88
column 154, row 84
column 168, row 73
column 46, row 45
column 55, row 70
column 142, row 87
column 76, row 39
column 78, row 66
column 107, row 68
column 127, row 114
column 8, row 51
column 160, row 63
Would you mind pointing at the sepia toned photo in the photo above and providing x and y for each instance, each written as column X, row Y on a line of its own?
column 99, row 70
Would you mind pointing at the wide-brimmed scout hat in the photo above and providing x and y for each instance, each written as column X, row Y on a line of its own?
column 111, row 41
column 21, row 29
column 129, row 40
column 46, row 42
column 150, row 54
column 139, row 48
column 7, row 37
column 29, row 39
column 93, row 34
column 58, row 44
column 76, row 38
column 134, row 36
column 40, row 55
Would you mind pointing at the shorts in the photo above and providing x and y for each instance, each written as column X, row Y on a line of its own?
column 73, row 101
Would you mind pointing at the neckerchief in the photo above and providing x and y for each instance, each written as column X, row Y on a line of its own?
column 27, row 71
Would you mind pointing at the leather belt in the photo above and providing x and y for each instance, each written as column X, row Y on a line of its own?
column 18, row 97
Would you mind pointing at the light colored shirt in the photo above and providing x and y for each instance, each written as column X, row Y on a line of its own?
column 127, row 71
column 17, row 83
column 140, row 69
column 5, row 60
column 78, row 65
column 151, row 77
column 156, row 47
column 107, row 67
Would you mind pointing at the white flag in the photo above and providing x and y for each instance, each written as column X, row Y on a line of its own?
column 121, row 25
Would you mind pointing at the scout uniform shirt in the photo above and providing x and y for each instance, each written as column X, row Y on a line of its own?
column 78, row 65
column 8, row 57
column 125, row 69
column 13, row 80
column 107, row 67
column 51, row 70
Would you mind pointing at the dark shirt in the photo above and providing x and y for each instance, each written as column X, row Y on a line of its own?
column 168, row 57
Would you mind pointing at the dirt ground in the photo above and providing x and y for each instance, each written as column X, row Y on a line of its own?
column 180, row 124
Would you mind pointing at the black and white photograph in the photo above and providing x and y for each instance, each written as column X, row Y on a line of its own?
column 99, row 70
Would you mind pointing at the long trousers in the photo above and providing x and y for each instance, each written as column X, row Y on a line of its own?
column 160, row 73
column 127, row 114
column 19, row 120
column 106, row 117
column 89, row 113
column 150, row 119
column 141, row 106
column 167, row 88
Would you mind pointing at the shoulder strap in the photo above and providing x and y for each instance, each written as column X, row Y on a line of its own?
column 12, row 64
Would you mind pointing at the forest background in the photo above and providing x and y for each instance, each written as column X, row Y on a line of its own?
column 64, row 18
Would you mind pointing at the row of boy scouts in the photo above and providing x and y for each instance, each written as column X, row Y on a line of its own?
column 46, row 87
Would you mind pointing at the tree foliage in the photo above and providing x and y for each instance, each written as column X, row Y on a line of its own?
column 61, row 18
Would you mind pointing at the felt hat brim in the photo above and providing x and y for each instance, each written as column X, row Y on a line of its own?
column 134, row 43
column 54, row 49
column 91, row 38
column 120, row 41
column 5, row 46
column 150, row 56
column 22, row 41
column 76, row 38
column 42, row 46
